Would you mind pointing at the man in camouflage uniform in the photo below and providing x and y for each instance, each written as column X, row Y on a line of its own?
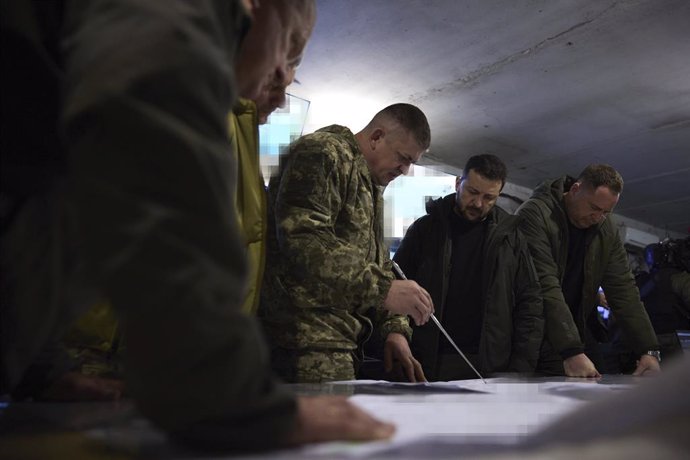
column 328, row 275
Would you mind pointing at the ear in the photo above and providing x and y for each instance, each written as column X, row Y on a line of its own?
column 376, row 136
column 458, row 179
column 575, row 187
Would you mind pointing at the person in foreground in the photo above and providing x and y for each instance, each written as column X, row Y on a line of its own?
column 328, row 277
column 472, row 258
column 120, row 186
column 576, row 249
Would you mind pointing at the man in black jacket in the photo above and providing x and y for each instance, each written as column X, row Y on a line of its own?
column 473, row 260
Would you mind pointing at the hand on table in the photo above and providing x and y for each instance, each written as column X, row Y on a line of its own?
column 580, row 366
column 398, row 359
column 331, row 418
column 647, row 365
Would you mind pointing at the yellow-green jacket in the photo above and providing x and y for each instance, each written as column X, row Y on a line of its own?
column 251, row 195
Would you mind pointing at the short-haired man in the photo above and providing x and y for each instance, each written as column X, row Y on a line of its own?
column 473, row 260
column 576, row 250
column 327, row 266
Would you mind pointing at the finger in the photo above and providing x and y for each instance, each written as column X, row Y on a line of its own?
column 419, row 372
column 360, row 426
column 409, row 370
column 424, row 305
column 649, row 371
column 427, row 310
column 326, row 418
column 423, row 316
column 387, row 359
column 418, row 317
column 430, row 301
column 638, row 370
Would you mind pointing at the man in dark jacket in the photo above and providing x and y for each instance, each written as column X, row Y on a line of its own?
column 473, row 260
column 576, row 250
column 115, row 157
column 665, row 292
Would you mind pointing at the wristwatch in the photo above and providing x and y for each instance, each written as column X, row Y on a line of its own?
column 655, row 353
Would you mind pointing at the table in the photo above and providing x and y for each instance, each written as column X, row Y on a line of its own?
column 510, row 416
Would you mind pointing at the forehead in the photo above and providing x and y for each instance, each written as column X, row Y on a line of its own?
column 405, row 143
column 481, row 184
column 602, row 197
column 298, row 20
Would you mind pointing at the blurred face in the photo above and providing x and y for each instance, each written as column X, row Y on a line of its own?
column 392, row 152
column 273, row 96
column 476, row 195
column 272, row 50
column 586, row 206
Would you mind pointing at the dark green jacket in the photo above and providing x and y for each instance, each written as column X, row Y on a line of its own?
column 327, row 264
column 680, row 284
column 544, row 223
column 137, row 97
column 512, row 327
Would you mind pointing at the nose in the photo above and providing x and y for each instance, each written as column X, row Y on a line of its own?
column 281, row 72
column 282, row 99
column 277, row 97
column 600, row 216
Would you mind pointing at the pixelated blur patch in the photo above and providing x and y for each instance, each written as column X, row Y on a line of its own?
column 283, row 126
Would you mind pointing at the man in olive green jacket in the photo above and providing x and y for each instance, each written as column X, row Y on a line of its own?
column 576, row 249
column 327, row 266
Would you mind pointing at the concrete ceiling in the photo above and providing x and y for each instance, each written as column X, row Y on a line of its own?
column 547, row 85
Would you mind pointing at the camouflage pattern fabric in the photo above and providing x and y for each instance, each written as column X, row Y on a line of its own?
column 326, row 261
column 95, row 342
column 313, row 366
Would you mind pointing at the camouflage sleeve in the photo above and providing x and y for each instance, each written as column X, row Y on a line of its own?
column 394, row 323
column 386, row 322
column 326, row 268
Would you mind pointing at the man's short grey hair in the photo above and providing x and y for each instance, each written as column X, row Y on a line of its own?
column 411, row 119
column 597, row 175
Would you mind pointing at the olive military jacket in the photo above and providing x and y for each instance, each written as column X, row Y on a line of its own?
column 326, row 261
column 545, row 224
column 512, row 325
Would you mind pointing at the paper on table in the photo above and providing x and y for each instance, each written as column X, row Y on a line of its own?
column 502, row 414
column 386, row 387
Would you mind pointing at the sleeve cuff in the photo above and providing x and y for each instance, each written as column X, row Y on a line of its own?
column 399, row 324
column 570, row 352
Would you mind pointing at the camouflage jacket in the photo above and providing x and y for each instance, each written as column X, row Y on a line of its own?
column 327, row 265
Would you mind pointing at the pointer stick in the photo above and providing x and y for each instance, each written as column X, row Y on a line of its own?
column 399, row 272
